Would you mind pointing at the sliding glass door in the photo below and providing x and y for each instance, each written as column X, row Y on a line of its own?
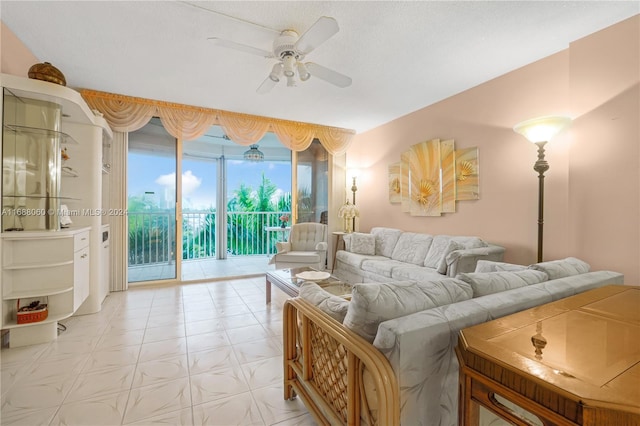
column 152, row 204
column 211, row 208
column 312, row 176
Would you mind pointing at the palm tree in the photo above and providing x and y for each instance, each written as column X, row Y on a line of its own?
column 246, row 232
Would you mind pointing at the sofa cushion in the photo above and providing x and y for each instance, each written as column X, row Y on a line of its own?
column 492, row 266
column 332, row 305
column 355, row 259
column 362, row 243
column 562, row 268
column 412, row 248
column 381, row 267
column 374, row 303
column 484, row 283
column 415, row 273
column 386, row 239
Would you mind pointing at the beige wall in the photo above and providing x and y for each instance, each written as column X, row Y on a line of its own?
column 592, row 190
column 15, row 57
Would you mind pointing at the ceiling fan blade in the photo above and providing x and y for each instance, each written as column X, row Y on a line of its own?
column 266, row 85
column 328, row 75
column 321, row 31
column 241, row 47
column 243, row 24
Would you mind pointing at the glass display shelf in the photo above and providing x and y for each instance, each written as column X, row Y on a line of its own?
column 40, row 132
column 69, row 172
column 40, row 197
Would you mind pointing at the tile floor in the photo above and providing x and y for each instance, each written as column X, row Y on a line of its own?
column 191, row 354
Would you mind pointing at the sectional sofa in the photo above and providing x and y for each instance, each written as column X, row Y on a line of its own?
column 389, row 254
column 386, row 356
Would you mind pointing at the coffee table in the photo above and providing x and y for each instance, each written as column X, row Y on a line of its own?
column 286, row 280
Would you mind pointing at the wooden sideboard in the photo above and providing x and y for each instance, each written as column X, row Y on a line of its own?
column 573, row 361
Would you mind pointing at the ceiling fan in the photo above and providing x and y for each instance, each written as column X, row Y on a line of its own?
column 290, row 49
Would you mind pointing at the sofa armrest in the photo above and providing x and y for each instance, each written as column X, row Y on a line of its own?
column 321, row 246
column 465, row 260
column 325, row 364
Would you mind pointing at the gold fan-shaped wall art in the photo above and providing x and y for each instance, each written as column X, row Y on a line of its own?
column 405, row 181
column 424, row 163
column 467, row 178
column 447, row 155
column 394, row 184
column 431, row 176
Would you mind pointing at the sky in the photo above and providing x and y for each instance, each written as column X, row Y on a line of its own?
column 156, row 174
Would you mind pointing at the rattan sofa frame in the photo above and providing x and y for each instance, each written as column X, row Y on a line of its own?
column 324, row 364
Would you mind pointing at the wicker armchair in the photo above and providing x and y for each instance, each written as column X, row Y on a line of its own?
column 340, row 377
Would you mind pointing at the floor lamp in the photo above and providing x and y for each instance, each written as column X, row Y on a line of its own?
column 354, row 188
column 539, row 131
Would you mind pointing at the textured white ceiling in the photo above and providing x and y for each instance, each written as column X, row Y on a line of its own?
column 402, row 56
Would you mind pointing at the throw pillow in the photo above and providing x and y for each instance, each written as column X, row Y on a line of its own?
column 562, row 268
column 484, row 283
column 332, row 305
column 374, row 303
column 362, row 243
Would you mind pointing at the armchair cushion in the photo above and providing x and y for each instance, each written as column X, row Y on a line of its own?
column 310, row 257
column 305, row 236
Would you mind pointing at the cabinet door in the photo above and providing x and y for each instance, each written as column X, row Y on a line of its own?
column 80, row 277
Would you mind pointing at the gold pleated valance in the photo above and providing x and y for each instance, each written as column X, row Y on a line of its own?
column 127, row 114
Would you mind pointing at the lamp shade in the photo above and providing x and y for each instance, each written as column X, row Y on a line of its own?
column 542, row 129
column 303, row 73
column 348, row 211
column 276, row 72
column 253, row 154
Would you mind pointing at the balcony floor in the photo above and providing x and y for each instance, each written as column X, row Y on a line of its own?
column 204, row 269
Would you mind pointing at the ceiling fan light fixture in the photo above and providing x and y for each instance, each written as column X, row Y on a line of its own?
column 253, row 154
column 276, row 72
column 291, row 81
column 289, row 61
column 303, row 72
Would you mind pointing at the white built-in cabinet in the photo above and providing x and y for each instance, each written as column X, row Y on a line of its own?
column 40, row 260
column 52, row 267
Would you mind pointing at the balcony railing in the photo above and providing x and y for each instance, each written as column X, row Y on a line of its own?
column 152, row 235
